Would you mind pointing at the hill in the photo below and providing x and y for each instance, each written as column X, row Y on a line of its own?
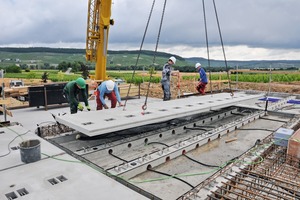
column 123, row 59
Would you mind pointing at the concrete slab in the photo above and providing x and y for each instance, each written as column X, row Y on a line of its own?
column 105, row 121
column 61, row 178
column 11, row 137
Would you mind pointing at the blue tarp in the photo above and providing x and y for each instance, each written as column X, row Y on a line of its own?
column 293, row 101
column 269, row 99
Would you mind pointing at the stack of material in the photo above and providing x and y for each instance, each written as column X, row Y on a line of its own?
column 294, row 145
column 282, row 136
column 16, row 91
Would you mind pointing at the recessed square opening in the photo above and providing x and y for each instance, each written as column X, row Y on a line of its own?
column 53, row 181
column 22, row 192
column 11, row 195
column 110, row 119
column 87, row 123
column 61, row 178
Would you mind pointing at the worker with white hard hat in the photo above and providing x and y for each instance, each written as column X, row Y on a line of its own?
column 165, row 79
column 107, row 89
column 202, row 80
column 71, row 92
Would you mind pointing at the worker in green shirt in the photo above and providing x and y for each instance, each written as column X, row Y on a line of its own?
column 71, row 92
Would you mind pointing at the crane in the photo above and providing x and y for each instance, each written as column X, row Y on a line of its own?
column 98, row 24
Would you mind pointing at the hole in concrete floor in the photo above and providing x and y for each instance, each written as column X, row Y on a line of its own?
column 200, row 103
column 210, row 101
column 128, row 116
column 11, row 195
column 87, row 123
column 208, row 140
column 211, row 119
column 163, row 110
column 203, row 121
column 22, row 192
column 189, row 105
column 173, row 131
column 129, row 145
column 110, row 151
column 147, row 113
column 160, row 135
column 184, row 127
column 194, row 125
column 149, row 167
column 219, row 136
column 110, row 119
column 133, row 164
column 95, row 148
column 53, row 181
column 197, row 146
column 183, row 152
column 177, row 107
column 61, row 178
column 15, row 148
column 168, row 159
column 146, row 141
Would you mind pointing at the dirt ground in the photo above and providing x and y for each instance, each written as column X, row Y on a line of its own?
column 187, row 87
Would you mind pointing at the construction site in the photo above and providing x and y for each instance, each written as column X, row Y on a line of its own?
column 236, row 141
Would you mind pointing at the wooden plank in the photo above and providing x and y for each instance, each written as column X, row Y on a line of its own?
column 5, row 101
column 7, row 111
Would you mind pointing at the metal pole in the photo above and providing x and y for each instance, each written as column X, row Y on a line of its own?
column 237, row 77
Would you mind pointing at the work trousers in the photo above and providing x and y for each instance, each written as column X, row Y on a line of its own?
column 166, row 89
column 73, row 106
column 201, row 87
column 111, row 96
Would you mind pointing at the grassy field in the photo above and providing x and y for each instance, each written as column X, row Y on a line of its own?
column 144, row 76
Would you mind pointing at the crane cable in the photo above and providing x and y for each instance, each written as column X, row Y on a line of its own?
column 207, row 49
column 220, row 34
column 144, row 107
column 139, row 54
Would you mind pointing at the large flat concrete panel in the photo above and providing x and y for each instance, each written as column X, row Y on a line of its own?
column 100, row 122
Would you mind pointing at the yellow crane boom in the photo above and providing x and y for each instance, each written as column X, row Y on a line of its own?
column 98, row 23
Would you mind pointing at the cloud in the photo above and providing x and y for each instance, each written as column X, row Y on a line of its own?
column 250, row 29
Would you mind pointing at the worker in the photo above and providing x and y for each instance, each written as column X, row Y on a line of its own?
column 71, row 92
column 107, row 88
column 202, row 80
column 165, row 79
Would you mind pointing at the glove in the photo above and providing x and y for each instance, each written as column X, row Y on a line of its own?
column 105, row 106
column 80, row 107
column 88, row 108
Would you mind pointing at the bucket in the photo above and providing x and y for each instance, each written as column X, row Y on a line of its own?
column 30, row 151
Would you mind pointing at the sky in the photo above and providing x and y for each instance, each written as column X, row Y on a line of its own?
column 250, row 29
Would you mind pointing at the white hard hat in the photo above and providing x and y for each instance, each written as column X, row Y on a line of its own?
column 173, row 59
column 110, row 85
column 197, row 65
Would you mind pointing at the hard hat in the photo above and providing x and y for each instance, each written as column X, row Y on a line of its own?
column 197, row 65
column 110, row 85
column 173, row 59
column 80, row 82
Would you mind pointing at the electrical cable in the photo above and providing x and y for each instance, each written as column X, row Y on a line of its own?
column 275, row 120
column 169, row 175
column 207, row 165
column 255, row 129
column 8, row 146
column 118, row 157
column 158, row 143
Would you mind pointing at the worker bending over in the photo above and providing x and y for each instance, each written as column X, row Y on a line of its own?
column 71, row 92
column 202, row 80
column 109, row 89
column 165, row 78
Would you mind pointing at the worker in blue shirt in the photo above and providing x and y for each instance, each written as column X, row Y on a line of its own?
column 107, row 89
column 202, row 80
